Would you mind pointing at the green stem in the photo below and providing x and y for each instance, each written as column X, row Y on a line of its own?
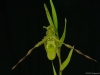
column 60, row 72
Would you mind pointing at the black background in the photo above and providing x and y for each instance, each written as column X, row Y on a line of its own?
column 21, row 27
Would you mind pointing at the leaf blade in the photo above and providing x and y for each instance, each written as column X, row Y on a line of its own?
column 54, row 16
column 63, row 35
column 66, row 62
column 54, row 71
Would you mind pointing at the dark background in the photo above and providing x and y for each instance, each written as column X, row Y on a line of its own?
column 21, row 27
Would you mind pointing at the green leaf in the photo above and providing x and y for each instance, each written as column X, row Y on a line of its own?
column 63, row 35
column 66, row 62
column 48, row 15
column 54, row 71
column 54, row 16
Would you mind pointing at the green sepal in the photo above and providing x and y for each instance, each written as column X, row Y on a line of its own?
column 48, row 15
